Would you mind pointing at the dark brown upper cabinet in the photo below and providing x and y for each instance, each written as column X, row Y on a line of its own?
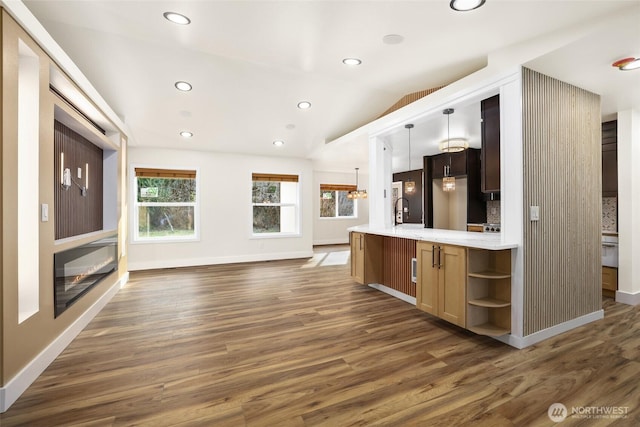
column 458, row 164
column 490, row 155
column 610, row 159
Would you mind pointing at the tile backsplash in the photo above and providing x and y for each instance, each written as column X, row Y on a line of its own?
column 493, row 211
column 609, row 214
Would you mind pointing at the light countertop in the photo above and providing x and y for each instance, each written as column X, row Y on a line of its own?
column 490, row 241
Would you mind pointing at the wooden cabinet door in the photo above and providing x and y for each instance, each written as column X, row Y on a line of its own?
column 610, row 278
column 452, row 276
column 458, row 164
column 357, row 257
column 427, row 278
column 490, row 131
column 437, row 165
column 610, row 159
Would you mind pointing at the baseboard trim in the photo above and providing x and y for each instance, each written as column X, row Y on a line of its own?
column 397, row 294
column 522, row 342
column 628, row 298
column 194, row 262
column 341, row 241
column 18, row 384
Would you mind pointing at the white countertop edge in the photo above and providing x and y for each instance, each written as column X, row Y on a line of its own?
column 489, row 241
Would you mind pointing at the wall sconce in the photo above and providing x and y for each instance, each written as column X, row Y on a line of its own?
column 65, row 177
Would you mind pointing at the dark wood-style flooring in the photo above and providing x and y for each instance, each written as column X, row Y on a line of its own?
column 298, row 343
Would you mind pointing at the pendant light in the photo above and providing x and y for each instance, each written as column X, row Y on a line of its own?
column 357, row 194
column 448, row 181
column 409, row 186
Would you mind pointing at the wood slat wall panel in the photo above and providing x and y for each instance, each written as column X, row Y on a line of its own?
column 75, row 214
column 408, row 99
column 562, row 175
column 397, row 264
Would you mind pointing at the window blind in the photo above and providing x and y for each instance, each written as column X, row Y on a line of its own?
column 165, row 173
column 274, row 177
column 337, row 187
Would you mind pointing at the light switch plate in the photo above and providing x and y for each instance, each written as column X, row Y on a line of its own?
column 534, row 213
column 44, row 212
column 79, row 173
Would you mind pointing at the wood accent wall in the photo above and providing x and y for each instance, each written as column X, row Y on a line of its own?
column 397, row 254
column 408, row 99
column 562, row 161
column 76, row 214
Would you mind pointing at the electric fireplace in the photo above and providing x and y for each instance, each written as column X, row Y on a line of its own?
column 79, row 269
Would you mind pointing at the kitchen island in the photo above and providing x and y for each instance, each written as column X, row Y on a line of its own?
column 461, row 277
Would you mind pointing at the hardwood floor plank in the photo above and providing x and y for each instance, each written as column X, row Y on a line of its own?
column 298, row 343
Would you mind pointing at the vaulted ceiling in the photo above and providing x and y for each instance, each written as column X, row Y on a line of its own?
column 251, row 62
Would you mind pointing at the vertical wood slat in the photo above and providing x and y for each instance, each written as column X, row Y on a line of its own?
column 397, row 264
column 562, row 175
column 75, row 214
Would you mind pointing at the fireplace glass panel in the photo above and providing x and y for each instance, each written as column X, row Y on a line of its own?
column 79, row 269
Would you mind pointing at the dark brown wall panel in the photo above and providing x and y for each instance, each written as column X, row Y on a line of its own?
column 76, row 214
column 397, row 264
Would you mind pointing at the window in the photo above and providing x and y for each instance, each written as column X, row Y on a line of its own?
column 334, row 202
column 165, row 204
column 275, row 204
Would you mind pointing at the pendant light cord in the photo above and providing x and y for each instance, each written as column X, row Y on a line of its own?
column 448, row 141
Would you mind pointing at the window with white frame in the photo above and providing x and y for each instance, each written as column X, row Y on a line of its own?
column 334, row 202
column 166, row 204
column 275, row 204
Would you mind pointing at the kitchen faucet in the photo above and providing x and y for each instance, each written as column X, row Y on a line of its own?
column 395, row 210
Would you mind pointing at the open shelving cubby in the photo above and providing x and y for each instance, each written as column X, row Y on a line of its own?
column 489, row 292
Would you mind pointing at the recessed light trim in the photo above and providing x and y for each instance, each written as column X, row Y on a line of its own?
column 465, row 5
column 304, row 105
column 177, row 18
column 183, row 86
column 351, row 61
column 186, row 134
column 392, row 39
column 278, row 143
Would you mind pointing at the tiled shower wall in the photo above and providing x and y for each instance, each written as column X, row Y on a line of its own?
column 609, row 214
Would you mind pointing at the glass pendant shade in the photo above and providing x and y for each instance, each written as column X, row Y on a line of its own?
column 448, row 183
column 357, row 193
column 410, row 187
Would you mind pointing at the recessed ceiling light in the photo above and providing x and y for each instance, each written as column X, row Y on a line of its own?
column 186, row 134
column 627, row 64
column 304, row 105
column 392, row 39
column 465, row 5
column 290, row 126
column 183, row 86
column 351, row 61
column 278, row 143
column 177, row 18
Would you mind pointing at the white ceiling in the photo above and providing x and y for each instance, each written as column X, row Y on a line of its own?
column 251, row 62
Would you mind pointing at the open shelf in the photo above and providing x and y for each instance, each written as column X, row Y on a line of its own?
column 489, row 329
column 489, row 292
column 489, row 274
column 489, row 302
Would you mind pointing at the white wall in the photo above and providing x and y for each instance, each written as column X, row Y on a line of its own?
column 225, row 210
column 629, row 207
column 327, row 231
